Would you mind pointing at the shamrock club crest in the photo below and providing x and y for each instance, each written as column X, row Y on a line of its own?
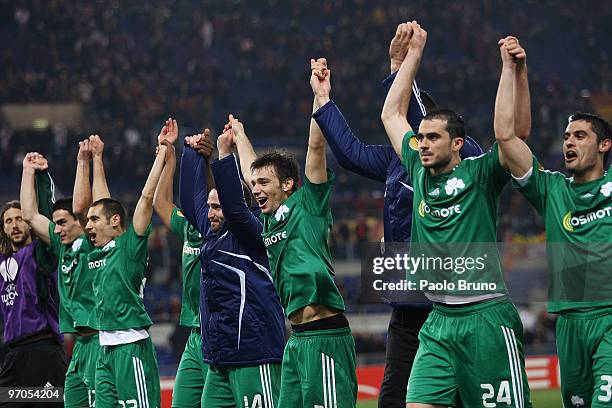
column 453, row 186
column 606, row 189
column 280, row 213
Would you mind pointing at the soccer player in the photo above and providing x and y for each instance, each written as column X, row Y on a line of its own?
column 380, row 163
column 28, row 295
column 191, row 373
column 319, row 359
column 69, row 242
column 577, row 213
column 242, row 320
column 470, row 347
column 126, row 371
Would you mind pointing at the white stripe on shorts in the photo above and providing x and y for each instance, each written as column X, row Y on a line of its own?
column 513, row 363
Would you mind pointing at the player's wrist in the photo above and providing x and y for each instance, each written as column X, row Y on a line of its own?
column 322, row 100
column 29, row 171
column 394, row 66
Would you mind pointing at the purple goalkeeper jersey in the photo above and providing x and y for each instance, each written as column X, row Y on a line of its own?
column 28, row 297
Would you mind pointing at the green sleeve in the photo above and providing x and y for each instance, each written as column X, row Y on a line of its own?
column 178, row 224
column 55, row 241
column 410, row 153
column 45, row 193
column 315, row 197
column 136, row 245
column 536, row 187
column 46, row 258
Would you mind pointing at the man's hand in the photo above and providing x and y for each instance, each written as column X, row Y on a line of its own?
column 168, row 132
column 84, row 154
column 512, row 45
column 320, row 80
column 399, row 45
column 225, row 144
column 35, row 162
column 169, row 150
column 96, row 145
column 507, row 59
column 236, row 126
column 201, row 143
column 418, row 38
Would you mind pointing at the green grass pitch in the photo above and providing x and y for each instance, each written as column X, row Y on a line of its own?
column 541, row 399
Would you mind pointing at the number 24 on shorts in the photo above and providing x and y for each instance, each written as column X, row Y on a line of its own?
column 503, row 394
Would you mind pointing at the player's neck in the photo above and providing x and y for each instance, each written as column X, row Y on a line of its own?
column 591, row 174
column 436, row 171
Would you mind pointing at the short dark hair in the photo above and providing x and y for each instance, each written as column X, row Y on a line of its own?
column 64, row 204
column 600, row 126
column 5, row 241
column 454, row 122
column 285, row 165
column 110, row 207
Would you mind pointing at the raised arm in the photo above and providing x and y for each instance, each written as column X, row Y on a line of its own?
column 371, row 161
column 246, row 153
column 396, row 104
column 144, row 207
column 29, row 207
column 522, row 99
column 397, row 53
column 316, row 161
column 163, row 198
column 81, row 194
column 241, row 221
column 100, row 187
column 514, row 154
column 194, row 184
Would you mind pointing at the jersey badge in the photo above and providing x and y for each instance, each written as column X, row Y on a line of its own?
column 9, row 269
column 414, row 143
column 606, row 189
column 453, row 186
column 110, row 245
column 76, row 245
column 280, row 213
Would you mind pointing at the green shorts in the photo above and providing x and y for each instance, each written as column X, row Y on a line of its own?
column 319, row 370
column 471, row 356
column 584, row 345
column 127, row 376
column 191, row 374
column 80, row 383
column 243, row 387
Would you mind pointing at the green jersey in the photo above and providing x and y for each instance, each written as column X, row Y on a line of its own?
column 296, row 237
column 77, row 304
column 578, row 220
column 454, row 225
column 119, row 270
column 192, row 242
